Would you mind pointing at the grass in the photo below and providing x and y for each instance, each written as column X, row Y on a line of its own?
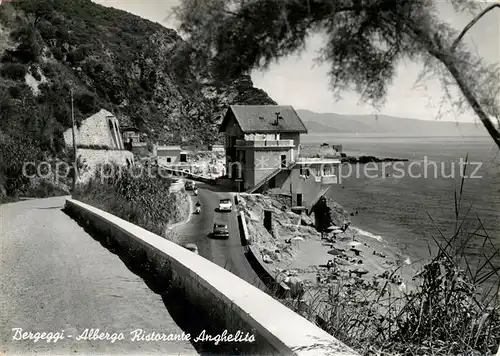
column 144, row 201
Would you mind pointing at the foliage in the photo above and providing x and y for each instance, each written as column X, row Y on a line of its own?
column 111, row 60
column 365, row 42
column 22, row 171
column 14, row 152
column 14, row 71
column 143, row 199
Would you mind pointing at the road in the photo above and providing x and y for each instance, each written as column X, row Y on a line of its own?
column 57, row 278
column 229, row 253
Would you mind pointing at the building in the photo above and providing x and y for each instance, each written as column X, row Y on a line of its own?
column 168, row 154
column 174, row 157
column 139, row 149
column 99, row 130
column 217, row 148
column 130, row 134
column 263, row 152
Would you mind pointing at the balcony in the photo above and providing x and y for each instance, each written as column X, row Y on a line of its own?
column 333, row 179
column 311, row 160
column 264, row 143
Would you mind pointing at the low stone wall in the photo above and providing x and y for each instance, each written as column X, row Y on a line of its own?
column 186, row 175
column 219, row 297
column 92, row 158
column 252, row 254
column 280, row 289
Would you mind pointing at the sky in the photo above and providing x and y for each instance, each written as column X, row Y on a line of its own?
column 303, row 83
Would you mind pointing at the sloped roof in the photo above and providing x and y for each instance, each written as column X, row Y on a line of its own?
column 262, row 119
column 102, row 114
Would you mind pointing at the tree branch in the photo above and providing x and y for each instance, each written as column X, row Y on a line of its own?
column 446, row 60
column 472, row 23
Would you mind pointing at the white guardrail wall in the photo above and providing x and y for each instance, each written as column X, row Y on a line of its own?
column 277, row 329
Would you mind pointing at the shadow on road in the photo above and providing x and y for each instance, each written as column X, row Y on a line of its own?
column 50, row 207
column 212, row 236
column 190, row 319
column 217, row 210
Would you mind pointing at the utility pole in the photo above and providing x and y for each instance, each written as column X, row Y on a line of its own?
column 75, row 175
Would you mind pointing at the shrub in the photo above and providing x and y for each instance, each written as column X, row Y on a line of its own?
column 14, row 71
column 48, row 69
column 86, row 103
column 144, row 201
column 35, row 73
column 57, row 53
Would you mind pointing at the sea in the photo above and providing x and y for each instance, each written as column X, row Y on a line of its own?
column 411, row 205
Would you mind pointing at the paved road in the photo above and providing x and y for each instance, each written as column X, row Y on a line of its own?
column 56, row 277
column 226, row 253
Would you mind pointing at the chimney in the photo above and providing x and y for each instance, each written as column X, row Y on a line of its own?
column 278, row 117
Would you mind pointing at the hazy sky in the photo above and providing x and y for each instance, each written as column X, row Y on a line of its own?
column 301, row 82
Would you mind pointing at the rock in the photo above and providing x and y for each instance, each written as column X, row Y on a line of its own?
column 307, row 220
column 266, row 259
column 296, row 286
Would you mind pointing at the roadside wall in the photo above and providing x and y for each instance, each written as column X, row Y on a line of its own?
column 223, row 298
column 92, row 158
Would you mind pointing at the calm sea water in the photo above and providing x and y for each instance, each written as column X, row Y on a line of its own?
column 408, row 211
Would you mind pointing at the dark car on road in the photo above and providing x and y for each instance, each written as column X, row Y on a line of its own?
column 189, row 185
column 220, row 230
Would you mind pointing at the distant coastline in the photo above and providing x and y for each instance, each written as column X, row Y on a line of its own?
column 368, row 159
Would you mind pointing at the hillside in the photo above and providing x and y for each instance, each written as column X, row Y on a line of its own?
column 382, row 124
column 113, row 60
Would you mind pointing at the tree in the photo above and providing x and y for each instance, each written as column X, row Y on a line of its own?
column 365, row 41
column 39, row 10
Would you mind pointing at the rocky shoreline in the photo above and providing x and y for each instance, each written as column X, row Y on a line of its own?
column 316, row 263
column 368, row 159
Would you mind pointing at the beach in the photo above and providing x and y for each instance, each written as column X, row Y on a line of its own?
column 295, row 249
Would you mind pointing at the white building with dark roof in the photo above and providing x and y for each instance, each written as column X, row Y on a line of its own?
column 262, row 144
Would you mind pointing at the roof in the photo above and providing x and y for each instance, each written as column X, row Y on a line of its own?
column 169, row 148
column 262, row 119
column 102, row 114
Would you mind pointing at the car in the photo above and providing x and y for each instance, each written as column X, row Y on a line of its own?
column 220, row 230
column 192, row 247
column 189, row 185
column 225, row 205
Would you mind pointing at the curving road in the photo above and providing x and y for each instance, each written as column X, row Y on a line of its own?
column 56, row 277
column 229, row 253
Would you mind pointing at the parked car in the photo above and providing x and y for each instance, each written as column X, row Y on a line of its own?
column 225, row 205
column 220, row 230
column 189, row 185
column 192, row 248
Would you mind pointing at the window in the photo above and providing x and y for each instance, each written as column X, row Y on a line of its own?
column 299, row 199
column 283, row 161
column 183, row 157
column 169, row 159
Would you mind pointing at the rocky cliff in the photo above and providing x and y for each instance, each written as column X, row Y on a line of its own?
column 110, row 59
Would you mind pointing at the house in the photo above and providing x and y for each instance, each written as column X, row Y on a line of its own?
column 130, row 135
column 263, row 152
column 217, row 148
column 173, row 156
column 101, row 129
column 168, row 154
column 139, row 149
